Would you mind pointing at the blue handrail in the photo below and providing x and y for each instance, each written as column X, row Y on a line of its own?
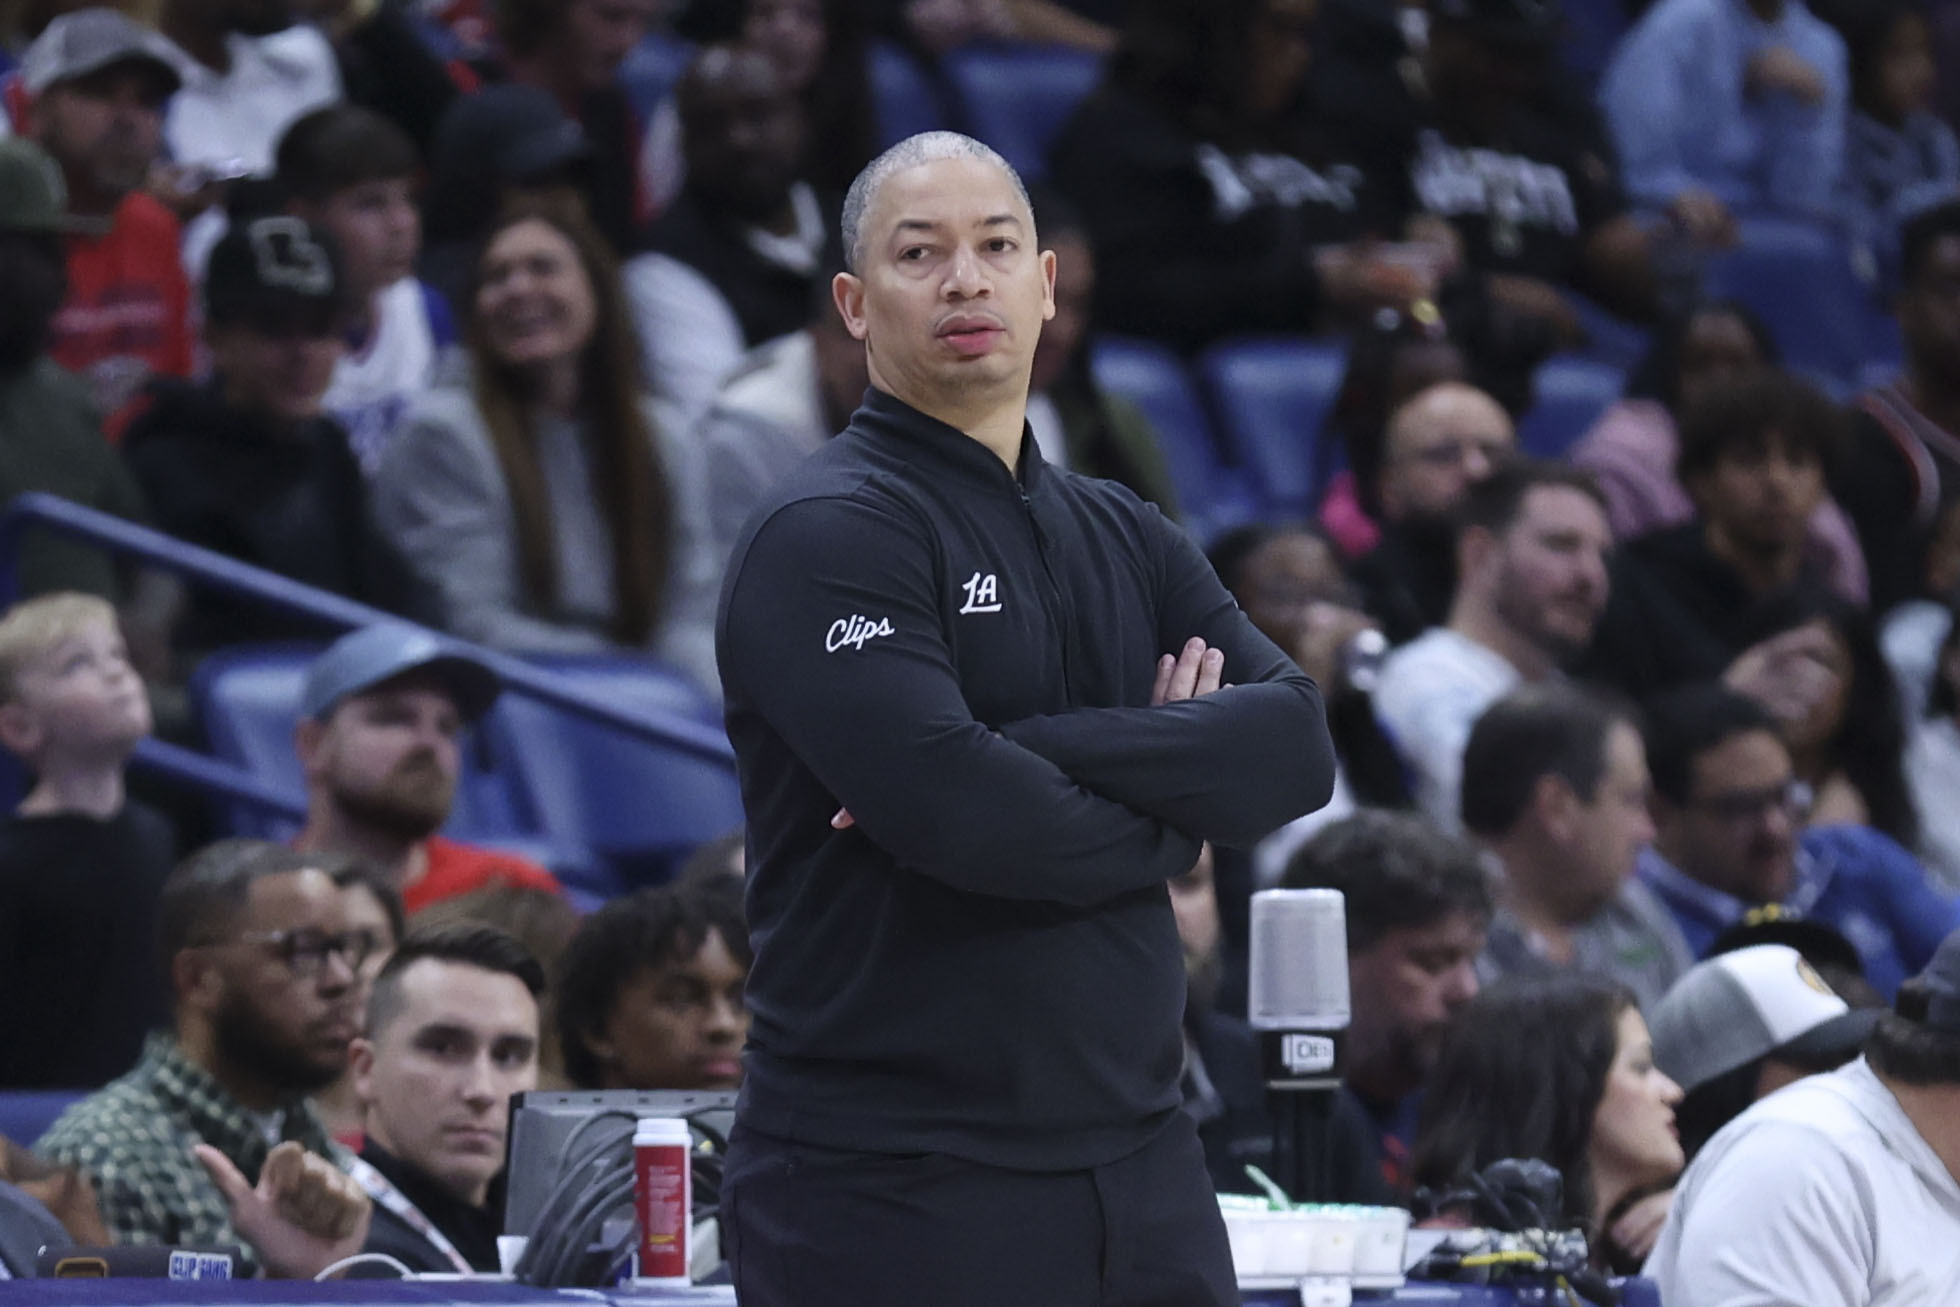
column 52, row 513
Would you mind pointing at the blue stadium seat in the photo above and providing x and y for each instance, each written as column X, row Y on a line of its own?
column 26, row 1114
column 641, row 806
column 1569, row 395
column 248, row 702
column 903, row 97
column 1798, row 277
column 651, row 69
column 1272, row 397
column 1018, row 96
column 1592, row 29
column 1211, row 496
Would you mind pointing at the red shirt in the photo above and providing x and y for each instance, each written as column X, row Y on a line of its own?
column 127, row 315
column 459, row 868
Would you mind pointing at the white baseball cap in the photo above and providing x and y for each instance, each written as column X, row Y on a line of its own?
column 1741, row 1006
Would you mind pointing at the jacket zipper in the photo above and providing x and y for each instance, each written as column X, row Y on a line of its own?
column 1054, row 588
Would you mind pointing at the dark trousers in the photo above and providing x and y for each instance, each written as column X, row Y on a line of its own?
column 811, row 1227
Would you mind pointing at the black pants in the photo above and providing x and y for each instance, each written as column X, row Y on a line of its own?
column 810, row 1227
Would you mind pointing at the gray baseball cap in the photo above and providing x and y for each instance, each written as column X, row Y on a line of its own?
column 369, row 657
column 1734, row 1008
column 89, row 40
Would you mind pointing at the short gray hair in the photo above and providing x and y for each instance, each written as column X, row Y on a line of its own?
column 926, row 147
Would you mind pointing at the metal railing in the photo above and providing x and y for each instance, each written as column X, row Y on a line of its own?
column 43, row 512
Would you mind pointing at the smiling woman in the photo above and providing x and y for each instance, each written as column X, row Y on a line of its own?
column 537, row 502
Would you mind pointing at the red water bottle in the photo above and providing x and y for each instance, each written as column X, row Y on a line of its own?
column 663, row 1198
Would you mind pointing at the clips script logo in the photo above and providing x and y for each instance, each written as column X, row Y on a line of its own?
column 851, row 632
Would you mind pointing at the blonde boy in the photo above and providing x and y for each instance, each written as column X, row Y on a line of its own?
column 80, row 865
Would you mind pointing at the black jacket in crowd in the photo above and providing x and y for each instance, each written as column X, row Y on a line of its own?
column 986, row 963
column 293, row 502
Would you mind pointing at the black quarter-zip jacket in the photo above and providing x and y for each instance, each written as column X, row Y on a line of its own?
column 986, row 963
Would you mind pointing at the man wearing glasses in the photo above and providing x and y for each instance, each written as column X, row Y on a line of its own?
column 209, row 1140
column 1730, row 816
column 1437, row 445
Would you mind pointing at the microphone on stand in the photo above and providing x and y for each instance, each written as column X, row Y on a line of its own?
column 1299, row 1005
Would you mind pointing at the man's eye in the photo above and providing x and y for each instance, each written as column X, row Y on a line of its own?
column 912, row 254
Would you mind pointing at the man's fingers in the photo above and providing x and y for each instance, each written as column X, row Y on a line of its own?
column 1161, row 688
column 230, row 1180
column 843, row 820
column 1211, row 668
column 1184, row 677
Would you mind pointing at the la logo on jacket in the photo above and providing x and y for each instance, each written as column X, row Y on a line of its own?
column 982, row 593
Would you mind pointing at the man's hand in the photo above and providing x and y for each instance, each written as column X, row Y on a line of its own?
column 1788, row 674
column 1365, row 276
column 1639, row 1228
column 1530, row 297
column 305, row 1215
column 1704, row 219
column 1779, row 68
column 1192, row 674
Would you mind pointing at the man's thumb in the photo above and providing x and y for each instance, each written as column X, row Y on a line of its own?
column 230, row 1180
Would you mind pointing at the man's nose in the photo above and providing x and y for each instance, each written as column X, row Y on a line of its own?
column 965, row 277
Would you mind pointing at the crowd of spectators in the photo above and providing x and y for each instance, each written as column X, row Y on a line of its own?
column 1647, row 752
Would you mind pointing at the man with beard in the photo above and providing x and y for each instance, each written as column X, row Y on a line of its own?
column 100, row 82
column 1437, row 445
column 50, row 433
column 209, row 1140
column 382, row 719
column 1555, row 786
column 1531, row 581
column 1418, row 905
column 734, row 262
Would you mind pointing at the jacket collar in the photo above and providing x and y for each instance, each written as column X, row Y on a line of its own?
column 220, row 1119
column 892, row 424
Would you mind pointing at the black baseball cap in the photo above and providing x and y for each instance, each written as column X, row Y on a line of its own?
column 518, row 131
column 1821, row 944
column 1534, row 23
column 276, row 274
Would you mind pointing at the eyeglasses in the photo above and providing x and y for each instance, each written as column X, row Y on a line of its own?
column 1458, row 449
column 1743, row 807
column 305, row 951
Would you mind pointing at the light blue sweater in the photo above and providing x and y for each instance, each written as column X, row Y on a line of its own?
column 1673, row 97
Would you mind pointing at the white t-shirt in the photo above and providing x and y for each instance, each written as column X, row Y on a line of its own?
column 372, row 386
column 232, row 121
column 1432, row 691
column 236, row 118
column 1821, row 1195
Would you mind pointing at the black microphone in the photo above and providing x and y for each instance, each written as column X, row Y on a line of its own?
column 1299, row 1005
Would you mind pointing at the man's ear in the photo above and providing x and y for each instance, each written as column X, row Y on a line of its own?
column 197, row 979
column 360, row 1061
column 308, row 737
column 1556, row 806
column 20, row 729
column 1474, row 547
column 847, row 291
column 1047, row 285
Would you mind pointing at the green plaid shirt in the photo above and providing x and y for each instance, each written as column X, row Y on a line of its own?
column 134, row 1138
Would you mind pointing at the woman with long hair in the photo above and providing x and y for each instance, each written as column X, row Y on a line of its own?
column 1560, row 1069
column 538, row 497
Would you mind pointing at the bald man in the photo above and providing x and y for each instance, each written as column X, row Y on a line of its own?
column 981, row 710
column 1438, row 444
